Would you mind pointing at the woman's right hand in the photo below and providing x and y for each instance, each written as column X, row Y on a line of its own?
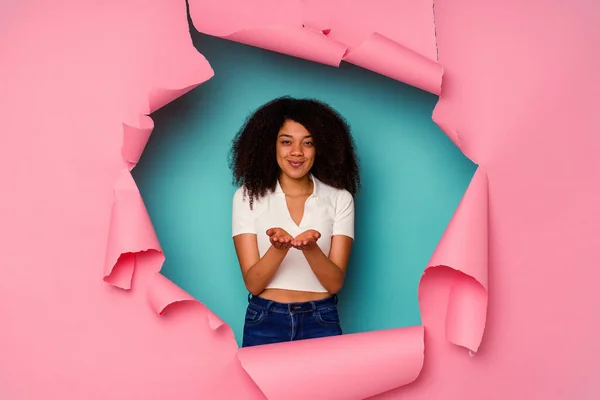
column 280, row 239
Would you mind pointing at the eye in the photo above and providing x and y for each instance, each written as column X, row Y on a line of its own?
column 285, row 142
column 308, row 143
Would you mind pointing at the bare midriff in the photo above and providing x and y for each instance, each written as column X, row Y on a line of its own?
column 292, row 296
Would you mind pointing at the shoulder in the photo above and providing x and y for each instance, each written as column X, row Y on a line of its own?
column 242, row 200
column 337, row 197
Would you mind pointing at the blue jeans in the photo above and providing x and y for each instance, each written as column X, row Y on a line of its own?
column 272, row 322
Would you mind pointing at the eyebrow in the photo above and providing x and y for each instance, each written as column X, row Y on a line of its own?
column 290, row 136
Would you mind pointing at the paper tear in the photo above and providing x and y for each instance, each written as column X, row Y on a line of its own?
column 384, row 56
column 299, row 42
column 163, row 294
column 379, row 361
column 443, row 118
column 437, row 52
column 130, row 232
column 160, row 96
column 464, row 248
column 307, row 38
column 135, row 138
column 360, row 365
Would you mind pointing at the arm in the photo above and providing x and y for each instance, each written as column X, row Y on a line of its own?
column 330, row 271
column 256, row 271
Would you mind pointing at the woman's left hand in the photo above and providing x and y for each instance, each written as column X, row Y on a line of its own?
column 306, row 239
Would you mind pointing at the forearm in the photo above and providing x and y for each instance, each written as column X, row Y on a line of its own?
column 260, row 274
column 328, row 273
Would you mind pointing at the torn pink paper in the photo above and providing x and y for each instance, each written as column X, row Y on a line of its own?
column 407, row 22
column 352, row 366
column 135, row 138
column 386, row 57
column 383, row 55
column 130, row 232
column 278, row 30
column 464, row 247
column 442, row 117
column 161, row 96
column 164, row 294
column 299, row 31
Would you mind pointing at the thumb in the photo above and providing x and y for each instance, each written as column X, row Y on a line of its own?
column 270, row 232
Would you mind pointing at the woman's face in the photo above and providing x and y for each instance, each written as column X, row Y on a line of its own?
column 295, row 150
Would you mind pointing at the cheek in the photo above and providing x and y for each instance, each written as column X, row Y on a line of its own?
column 280, row 151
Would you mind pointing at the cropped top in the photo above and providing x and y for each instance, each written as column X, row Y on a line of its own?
column 328, row 210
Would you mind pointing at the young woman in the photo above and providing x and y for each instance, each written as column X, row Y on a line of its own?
column 293, row 218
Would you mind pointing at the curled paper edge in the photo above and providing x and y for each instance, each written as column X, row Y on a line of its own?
column 361, row 364
column 307, row 39
column 163, row 295
column 441, row 115
column 382, row 55
column 303, row 43
column 159, row 97
column 377, row 53
column 139, row 235
column 135, row 138
column 464, row 249
column 130, row 232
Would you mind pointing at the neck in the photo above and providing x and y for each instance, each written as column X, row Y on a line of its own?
column 295, row 187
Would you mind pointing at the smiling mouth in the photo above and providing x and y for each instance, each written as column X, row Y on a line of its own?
column 296, row 164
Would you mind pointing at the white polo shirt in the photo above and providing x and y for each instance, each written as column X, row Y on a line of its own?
column 328, row 210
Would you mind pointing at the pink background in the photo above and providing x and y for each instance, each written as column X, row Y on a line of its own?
column 519, row 89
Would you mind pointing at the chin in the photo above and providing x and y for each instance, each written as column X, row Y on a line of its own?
column 295, row 174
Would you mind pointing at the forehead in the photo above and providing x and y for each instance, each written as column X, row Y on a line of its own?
column 293, row 128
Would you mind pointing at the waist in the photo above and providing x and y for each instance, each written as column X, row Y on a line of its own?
column 304, row 306
column 291, row 296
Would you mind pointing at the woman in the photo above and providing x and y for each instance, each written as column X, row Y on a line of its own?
column 293, row 218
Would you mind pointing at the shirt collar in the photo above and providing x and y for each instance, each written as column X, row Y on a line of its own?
column 316, row 183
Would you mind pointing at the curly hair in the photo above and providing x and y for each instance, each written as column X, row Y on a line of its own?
column 252, row 157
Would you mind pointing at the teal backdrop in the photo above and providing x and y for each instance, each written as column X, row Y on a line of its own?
column 413, row 178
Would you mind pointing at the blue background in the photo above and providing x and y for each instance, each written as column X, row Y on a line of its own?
column 413, row 178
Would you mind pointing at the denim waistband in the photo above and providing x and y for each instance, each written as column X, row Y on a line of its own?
column 270, row 305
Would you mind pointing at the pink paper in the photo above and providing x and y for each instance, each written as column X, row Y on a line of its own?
column 464, row 247
column 278, row 30
column 323, row 364
column 164, row 294
column 320, row 32
column 79, row 82
column 130, row 232
column 386, row 57
column 135, row 138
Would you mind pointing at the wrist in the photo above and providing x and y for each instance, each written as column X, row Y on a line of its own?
column 279, row 251
column 314, row 249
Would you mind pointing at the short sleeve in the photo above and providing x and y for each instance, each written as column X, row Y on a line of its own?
column 242, row 217
column 343, row 222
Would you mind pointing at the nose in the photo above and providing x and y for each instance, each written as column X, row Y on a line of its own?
column 296, row 149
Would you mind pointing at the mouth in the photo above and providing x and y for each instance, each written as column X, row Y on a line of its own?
column 296, row 164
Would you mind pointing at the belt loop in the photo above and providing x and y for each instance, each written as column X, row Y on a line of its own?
column 313, row 306
column 249, row 297
column 268, row 306
column 335, row 299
